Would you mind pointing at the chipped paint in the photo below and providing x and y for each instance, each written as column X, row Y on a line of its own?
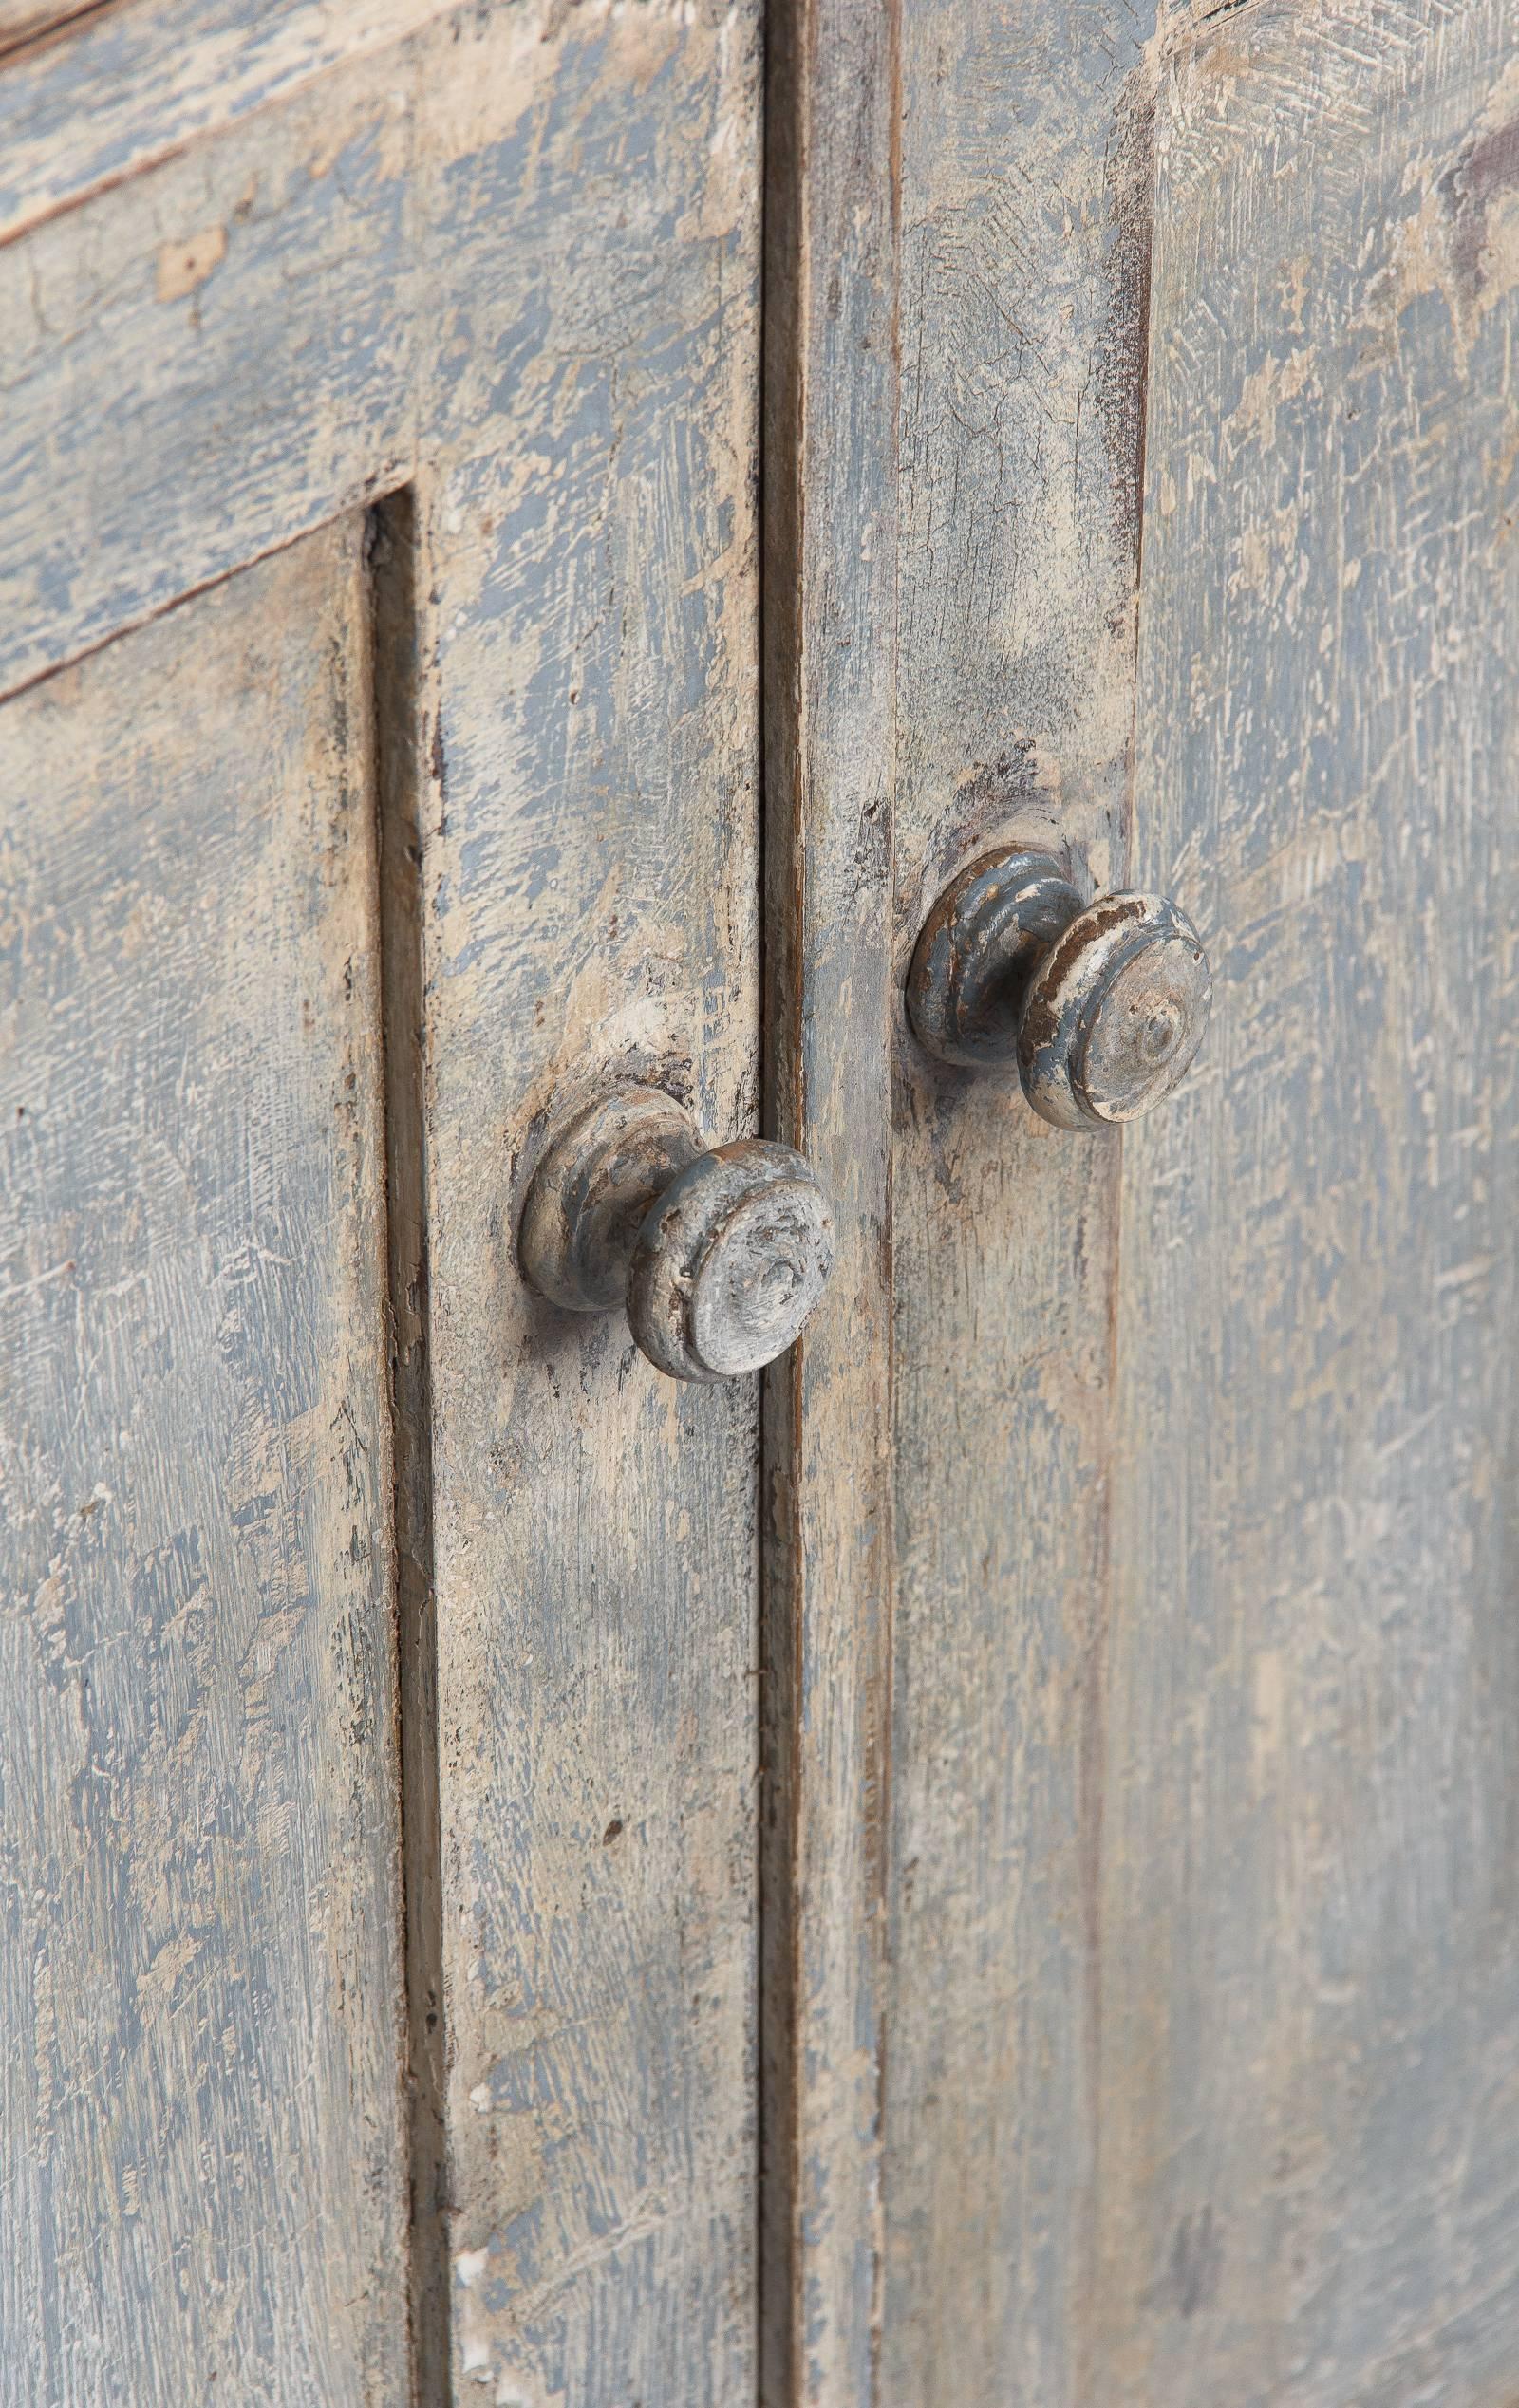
column 183, row 266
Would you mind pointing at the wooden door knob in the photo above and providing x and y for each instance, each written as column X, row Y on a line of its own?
column 1102, row 1005
column 718, row 1252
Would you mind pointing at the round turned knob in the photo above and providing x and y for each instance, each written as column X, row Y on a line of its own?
column 719, row 1253
column 1101, row 1007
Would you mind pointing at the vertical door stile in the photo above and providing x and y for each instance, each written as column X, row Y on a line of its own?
column 587, row 629
column 1025, row 264
column 829, row 654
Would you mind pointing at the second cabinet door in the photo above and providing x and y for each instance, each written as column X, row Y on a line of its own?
column 1156, row 1806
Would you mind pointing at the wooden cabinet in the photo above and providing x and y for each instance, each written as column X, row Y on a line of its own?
column 537, row 539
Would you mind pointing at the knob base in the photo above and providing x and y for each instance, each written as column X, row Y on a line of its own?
column 592, row 1191
column 979, row 948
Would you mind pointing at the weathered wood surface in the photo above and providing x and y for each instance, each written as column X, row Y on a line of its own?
column 830, row 667
column 200, row 2038
column 512, row 259
column 1308, row 2175
column 127, row 85
column 1198, row 2033
column 1181, row 2065
column 1024, row 193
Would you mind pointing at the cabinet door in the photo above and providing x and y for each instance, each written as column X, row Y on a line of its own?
column 379, row 647
column 1163, row 1750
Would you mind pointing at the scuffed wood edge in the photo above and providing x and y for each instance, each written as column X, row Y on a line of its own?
column 1024, row 249
column 401, row 789
column 24, row 23
column 828, row 695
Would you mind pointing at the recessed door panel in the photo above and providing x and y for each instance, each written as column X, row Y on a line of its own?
column 200, row 2029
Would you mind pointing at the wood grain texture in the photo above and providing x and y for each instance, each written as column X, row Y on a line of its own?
column 830, row 670
column 1198, row 2059
column 129, row 83
column 200, row 2036
column 512, row 259
column 1309, row 2165
column 1024, row 193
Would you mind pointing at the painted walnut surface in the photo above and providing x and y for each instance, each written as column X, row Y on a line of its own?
column 201, row 2050
column 1308, row 2171
column 511, row 265
column 1151, row 2132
